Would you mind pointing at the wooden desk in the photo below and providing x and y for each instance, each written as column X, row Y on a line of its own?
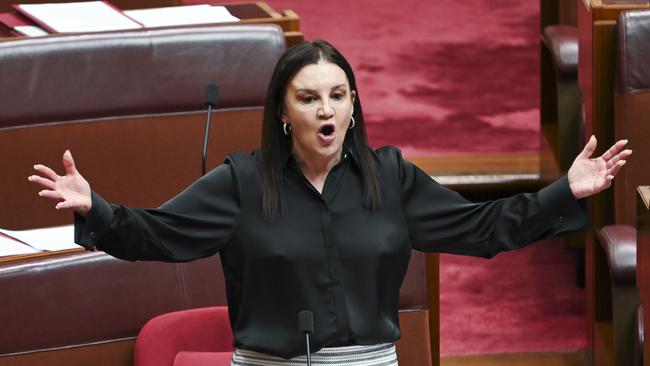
column 43, row 255
column 5, row 5
column 597, row 60
column 484, row 176
column 262, row 13
column 248, row 13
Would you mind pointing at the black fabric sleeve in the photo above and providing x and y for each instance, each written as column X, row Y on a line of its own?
column 196, row 223
column 441, row 220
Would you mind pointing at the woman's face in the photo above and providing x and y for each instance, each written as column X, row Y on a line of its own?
column 318, row 106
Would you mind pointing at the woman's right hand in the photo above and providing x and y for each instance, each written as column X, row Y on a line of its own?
column 71, row 190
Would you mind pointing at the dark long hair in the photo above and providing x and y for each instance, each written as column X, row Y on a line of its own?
column 274, row 140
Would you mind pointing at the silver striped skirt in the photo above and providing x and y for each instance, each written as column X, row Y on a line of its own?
column 375, row 355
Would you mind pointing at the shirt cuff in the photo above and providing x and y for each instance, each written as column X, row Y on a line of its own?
column 564, row 212
column 87, row 229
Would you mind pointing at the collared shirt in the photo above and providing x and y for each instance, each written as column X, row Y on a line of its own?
column 329, row 253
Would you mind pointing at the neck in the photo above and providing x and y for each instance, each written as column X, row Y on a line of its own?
column 316, row 169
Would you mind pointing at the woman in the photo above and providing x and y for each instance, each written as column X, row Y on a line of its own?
column 318, row 221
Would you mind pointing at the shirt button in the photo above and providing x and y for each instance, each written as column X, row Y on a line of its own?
column 561, row 219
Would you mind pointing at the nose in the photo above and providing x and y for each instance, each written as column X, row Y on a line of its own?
column 326, row 111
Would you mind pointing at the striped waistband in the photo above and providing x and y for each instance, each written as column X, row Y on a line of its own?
column 375, row 355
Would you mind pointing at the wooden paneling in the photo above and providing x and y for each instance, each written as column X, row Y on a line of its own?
column 552, row 12
column 643, row 262
column 433, row 275
column 118, row 151
column 603, row 338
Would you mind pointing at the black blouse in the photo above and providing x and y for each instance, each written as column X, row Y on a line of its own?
column 328, row 253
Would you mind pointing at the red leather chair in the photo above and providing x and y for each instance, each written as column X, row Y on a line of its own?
column 194, row 337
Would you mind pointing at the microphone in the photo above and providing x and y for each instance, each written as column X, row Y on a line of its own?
column 210, row 100
column 306, row 325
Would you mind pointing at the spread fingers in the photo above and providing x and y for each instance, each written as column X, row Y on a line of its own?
column 46, row 183
column 50, row 194
column 620, row 156
column 46, row 172
column 615, row 149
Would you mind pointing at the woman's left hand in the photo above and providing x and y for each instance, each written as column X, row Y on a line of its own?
column 588, row 176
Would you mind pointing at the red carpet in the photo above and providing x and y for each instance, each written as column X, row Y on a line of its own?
column 459, row 77
column 438, row 77
column 520, row 301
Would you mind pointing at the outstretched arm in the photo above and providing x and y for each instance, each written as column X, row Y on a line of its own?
column 71, row 191
column 196, row 223
column 588, row 176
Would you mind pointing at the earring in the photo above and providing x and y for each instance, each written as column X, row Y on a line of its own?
column 352, row 123
column 286, row 128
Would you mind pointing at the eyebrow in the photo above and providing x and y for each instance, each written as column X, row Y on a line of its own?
column 314, row 91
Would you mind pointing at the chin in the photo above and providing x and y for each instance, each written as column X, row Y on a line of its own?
column 332, row 149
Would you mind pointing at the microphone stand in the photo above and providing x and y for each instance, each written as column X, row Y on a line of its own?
column 210, row 100
column 205, row 139
column 308, row 351
column 306, row 325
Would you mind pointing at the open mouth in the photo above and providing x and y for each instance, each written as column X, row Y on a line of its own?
column 326, row 130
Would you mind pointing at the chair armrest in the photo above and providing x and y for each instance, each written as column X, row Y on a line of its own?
column 194, row 330
column 562, row 42
column 619, row 243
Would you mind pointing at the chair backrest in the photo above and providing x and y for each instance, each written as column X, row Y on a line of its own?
column 129, row 105
column 80, row 77
column 632, row 108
